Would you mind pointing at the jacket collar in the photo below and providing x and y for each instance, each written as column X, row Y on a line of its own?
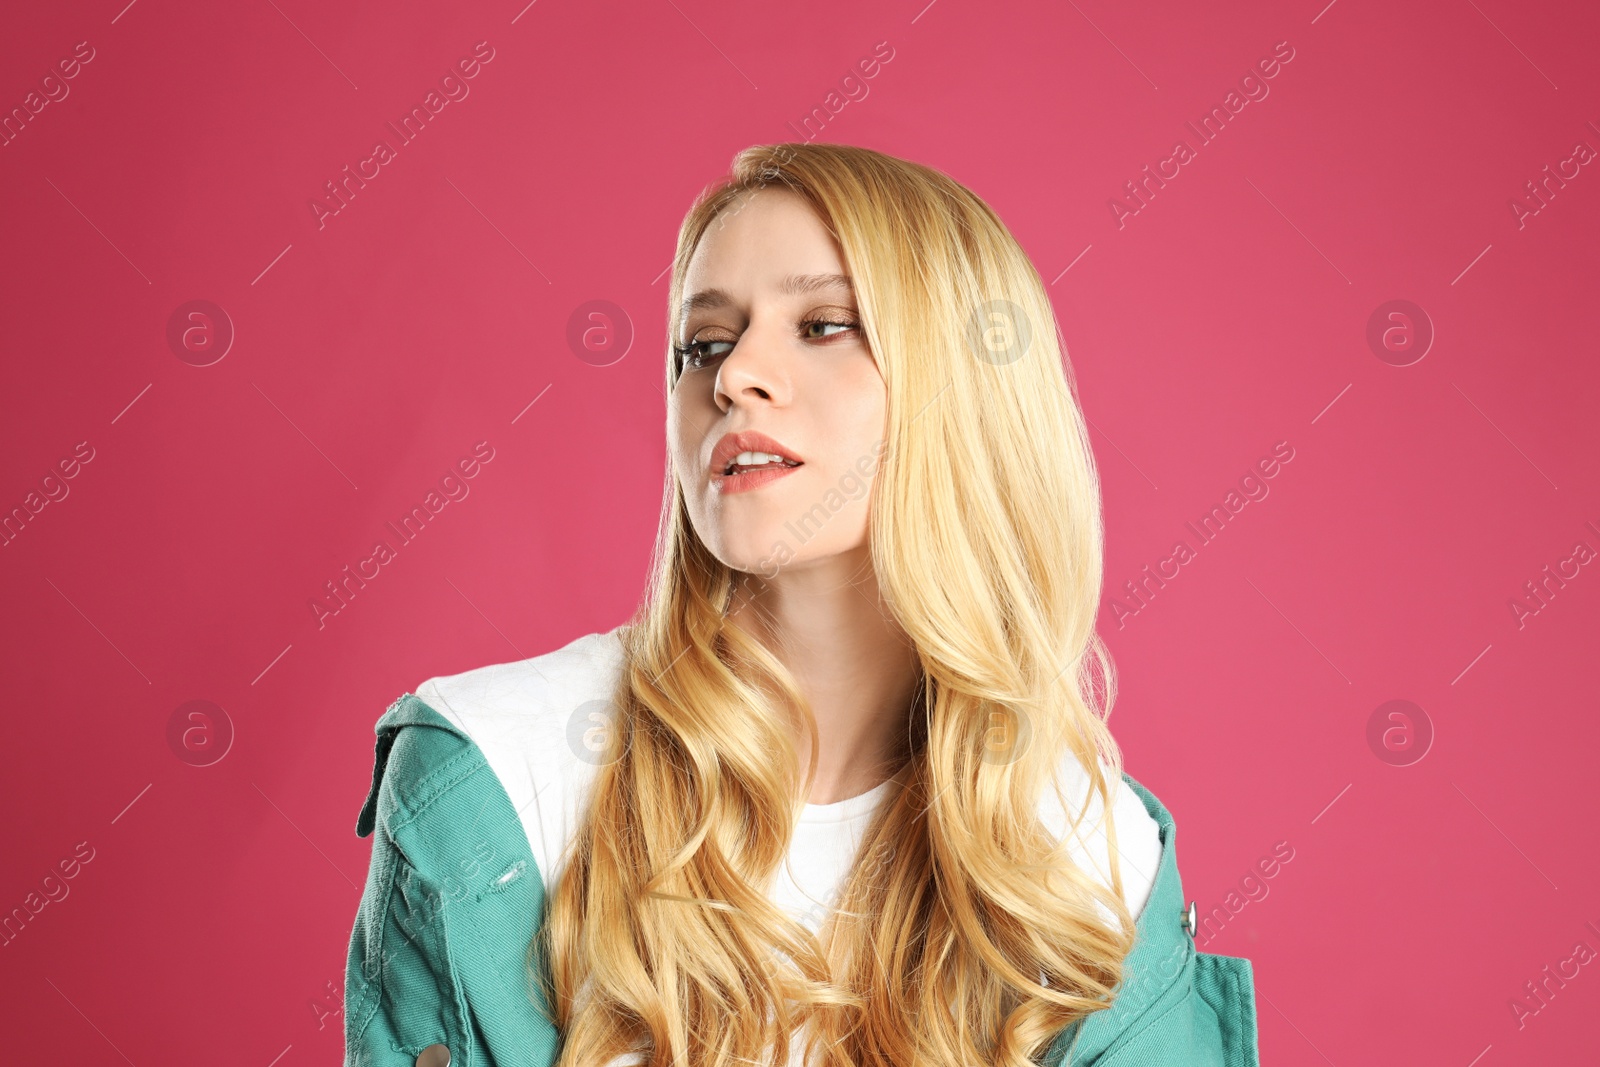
column 408, row 710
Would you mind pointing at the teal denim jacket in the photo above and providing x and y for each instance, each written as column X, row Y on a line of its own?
column 439, row 951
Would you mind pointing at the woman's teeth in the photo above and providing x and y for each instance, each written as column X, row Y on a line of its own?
column 747, row 460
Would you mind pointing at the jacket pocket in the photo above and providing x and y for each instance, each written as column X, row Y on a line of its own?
column 1213, row 1023
column 1227, row 985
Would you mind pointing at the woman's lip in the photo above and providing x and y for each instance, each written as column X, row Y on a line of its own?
column 745, row 481
column 730, row 445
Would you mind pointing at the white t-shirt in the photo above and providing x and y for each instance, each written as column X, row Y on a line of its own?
column 536, row 722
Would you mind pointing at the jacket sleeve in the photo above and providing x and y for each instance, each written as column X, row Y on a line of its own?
column 401, row 995
column 440, row 950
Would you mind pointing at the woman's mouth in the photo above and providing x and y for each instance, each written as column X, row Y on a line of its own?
column 748, row 460
column 752, row 470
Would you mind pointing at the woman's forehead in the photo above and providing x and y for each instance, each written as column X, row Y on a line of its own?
column 775, row 237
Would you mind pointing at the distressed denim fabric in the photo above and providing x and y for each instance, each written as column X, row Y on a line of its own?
column 439, row 953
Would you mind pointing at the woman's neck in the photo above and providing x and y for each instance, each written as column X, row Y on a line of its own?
column 826, row 623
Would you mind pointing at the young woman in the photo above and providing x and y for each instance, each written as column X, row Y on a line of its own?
column 842, row 793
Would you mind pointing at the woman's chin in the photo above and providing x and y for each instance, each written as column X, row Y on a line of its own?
column 759, row 553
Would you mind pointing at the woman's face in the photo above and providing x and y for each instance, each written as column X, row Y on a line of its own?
column 775, row 348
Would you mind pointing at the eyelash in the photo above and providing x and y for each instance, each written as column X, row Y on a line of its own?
column 683, row 352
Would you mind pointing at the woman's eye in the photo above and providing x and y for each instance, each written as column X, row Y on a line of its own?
column 828, row 322
column 697, row 354
column 693, row 355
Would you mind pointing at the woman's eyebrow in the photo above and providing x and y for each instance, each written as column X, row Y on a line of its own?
column 793, row 285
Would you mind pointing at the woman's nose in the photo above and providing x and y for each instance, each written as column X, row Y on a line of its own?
column 752, row 369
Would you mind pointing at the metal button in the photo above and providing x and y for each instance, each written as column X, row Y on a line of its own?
column 1189, row 919
column 434, row 1056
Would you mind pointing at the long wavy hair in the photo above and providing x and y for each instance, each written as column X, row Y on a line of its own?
column 964, row 934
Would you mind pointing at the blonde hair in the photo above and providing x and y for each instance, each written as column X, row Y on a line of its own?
column 986, row 539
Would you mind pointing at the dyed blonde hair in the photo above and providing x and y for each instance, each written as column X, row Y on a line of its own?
column 986, row 539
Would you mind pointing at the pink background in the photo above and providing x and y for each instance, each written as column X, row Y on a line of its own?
column 372, row 352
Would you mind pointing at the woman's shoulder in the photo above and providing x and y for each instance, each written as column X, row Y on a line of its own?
column 537, row 723
column 1139, row 834
column 519, row 695
column 1176, row 1003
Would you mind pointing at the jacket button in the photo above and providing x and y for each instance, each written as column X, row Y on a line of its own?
column 1189, row 919
column 434, row 1056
